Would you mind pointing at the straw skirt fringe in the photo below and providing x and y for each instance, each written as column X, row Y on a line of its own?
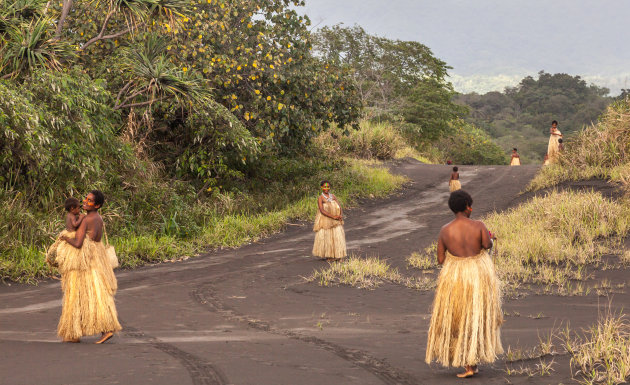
column 467, row 315
column 330, row 238
column 51, row 253
column 454, row 185
column 553, row 148
column 515, row 162
column 88, row 284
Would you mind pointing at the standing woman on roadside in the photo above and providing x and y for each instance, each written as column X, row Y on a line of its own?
column 330, row 239
column 87, row 279
column 516, row 159
column 553, row 149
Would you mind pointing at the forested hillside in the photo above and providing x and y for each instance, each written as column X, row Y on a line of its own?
column 520, row 116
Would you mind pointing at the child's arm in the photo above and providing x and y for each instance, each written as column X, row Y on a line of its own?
column 73, row 221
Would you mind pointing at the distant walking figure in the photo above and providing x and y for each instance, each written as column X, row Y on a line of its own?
column 516, row 159
column 330, row 239
column 454, row 184
column 553, row 149
column 467, row 315
column 87, row 279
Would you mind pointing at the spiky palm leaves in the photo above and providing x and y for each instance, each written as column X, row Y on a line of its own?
column 154, row 77
column 27, row 46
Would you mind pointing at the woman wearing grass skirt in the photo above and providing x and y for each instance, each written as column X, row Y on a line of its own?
column 454, row 184
column 87, row 279
column 467, row 315
column 553, row 148
column 330, row 239
column 516, row 159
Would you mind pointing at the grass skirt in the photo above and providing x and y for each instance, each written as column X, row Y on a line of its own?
column 515, row 162
column 454, row 185
column 88, row 284
column 330, row 239
column 553, row 148
column 467, row 315
column 51, row 253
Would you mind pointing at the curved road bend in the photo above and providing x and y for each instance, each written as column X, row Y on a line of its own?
column 247, row 316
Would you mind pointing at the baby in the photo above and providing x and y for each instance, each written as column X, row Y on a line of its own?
column 73, row 216
column 73, row 221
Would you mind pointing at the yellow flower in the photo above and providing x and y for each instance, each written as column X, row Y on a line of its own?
column 257, row 92
column 238, row 68
column 184, row 69
column 271, row 66
column 280, row 105
column 268, row 97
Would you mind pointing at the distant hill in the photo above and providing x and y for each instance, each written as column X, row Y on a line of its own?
column 520, row 116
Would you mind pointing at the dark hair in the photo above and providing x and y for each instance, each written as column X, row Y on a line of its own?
column 560, row 140
column 71, row 203
column 455, row 168
column 459, row 201
column 514, row 149
column 322, row 182
column 554, row 122
column 99, row 198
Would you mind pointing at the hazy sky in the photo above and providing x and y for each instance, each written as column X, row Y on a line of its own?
column 493, row 43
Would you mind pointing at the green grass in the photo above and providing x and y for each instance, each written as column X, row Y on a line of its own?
column 225, row 221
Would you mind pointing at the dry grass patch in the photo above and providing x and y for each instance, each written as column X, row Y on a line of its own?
column 601, row 151
column 425, row 260
column 365, row 273
column 601, row 354
column 551, row 241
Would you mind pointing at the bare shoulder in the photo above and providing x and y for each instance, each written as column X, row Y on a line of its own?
column 480, row 224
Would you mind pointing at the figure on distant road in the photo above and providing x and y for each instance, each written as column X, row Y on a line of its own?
column 516, row 159
column 330, row 239
column 467, row 315
column 454, row 184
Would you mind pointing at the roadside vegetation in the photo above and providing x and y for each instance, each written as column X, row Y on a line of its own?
column 552, row 241
column 206, row 123
column 520, row 116
column 600, row 151
column 365, row 273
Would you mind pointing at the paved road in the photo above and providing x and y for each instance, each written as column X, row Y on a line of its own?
column 247, row 316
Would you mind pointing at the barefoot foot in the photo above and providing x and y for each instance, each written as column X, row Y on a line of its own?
column 104, row 337
column 468, row 373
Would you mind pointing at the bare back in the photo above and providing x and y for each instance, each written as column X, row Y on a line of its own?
column 454, row 175
column 463, row 237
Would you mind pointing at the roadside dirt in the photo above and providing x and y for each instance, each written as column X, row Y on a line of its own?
column 247, row 316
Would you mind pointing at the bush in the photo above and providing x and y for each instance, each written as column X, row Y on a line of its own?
column 470, row 145
column 600, row 151
column 371, row 141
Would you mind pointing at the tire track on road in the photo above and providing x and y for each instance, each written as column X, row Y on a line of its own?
column 201, row 372
column 378, row 367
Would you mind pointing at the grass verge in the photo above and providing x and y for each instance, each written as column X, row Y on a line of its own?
column 601, row 354
column 551, row 240
column 220, row 223
column 601, row 151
